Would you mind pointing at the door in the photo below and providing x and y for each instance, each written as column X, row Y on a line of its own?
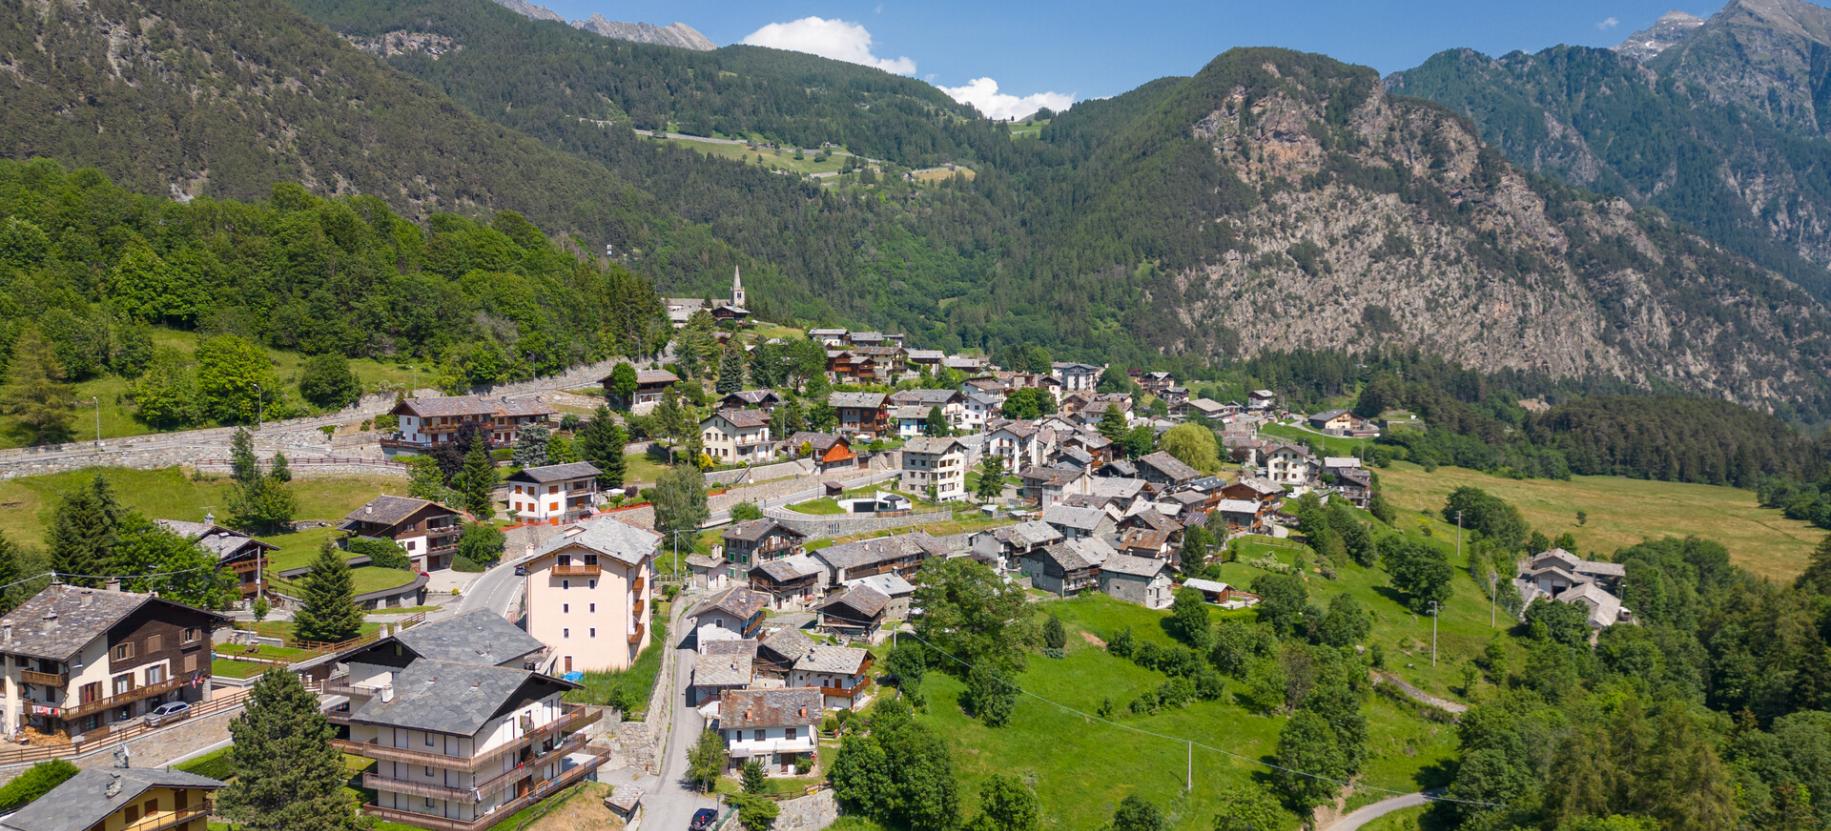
column 568, row 663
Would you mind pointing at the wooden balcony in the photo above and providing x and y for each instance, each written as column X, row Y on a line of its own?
column 386, row 783
column 637, row 584
column 578, row 570
column 574, row 719
column 169, row 819
column 43, row 679
column 541, row 790
column 122, row 699
column 635, row 635
column 843, row 692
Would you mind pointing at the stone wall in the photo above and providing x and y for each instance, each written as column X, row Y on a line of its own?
column 155, row 749
column 841, row 525
column 808, row 813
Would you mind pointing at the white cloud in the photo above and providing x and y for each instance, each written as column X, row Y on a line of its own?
column 982, row 94
column 1608, row 23
column 837, row 39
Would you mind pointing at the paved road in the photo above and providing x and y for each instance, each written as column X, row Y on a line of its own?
column 1355, row 820
column 670, row 801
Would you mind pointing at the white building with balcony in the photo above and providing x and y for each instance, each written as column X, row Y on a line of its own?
column 934, row 467
column 777, row 727
column 554, row 493
column 737, row 437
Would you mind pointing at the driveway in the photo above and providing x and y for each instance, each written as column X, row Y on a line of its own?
column 1369, row 813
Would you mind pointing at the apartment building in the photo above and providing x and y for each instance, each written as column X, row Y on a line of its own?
column 79, row 661
column 554, row 493
column 934, row 467
column 589, row 592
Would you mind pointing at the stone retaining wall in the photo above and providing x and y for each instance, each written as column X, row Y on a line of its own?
column 842, row 525
column 155, row 749
column 807, row 813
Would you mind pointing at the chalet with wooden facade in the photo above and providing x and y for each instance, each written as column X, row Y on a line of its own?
column 427, row 530
column 242, row 555
column 422, row 424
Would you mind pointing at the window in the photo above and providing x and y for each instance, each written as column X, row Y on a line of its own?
column 594, row 583
column 190, row 663
column 565, row 633
column 429, row 770
column 189, row 636
column 124, row 652
column 565, row 608
column 428, row 739
column 591, row 607
column 155, row 674
column 565, row 584
column 429, row 802
column 756, row 735
column 154, row 643
column 123, row 683
column 152, row 806
column 593, row 632
column 791, row 734
column 132, row 814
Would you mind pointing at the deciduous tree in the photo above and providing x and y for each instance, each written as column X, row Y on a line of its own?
column 327, row 381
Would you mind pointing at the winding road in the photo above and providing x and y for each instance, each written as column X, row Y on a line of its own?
column 1369, row 813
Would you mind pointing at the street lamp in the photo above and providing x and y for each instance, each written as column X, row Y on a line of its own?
column 97, row 401
column 1433, row 633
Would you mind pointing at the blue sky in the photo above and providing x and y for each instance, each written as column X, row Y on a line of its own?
column 1086, row 49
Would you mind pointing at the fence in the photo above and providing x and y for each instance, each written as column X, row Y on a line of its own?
column 114, row 736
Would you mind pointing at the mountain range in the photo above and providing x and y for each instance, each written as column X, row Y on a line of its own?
column 678, row 35
column 1273, row 201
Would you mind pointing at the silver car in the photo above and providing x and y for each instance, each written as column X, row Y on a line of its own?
column 167, row 712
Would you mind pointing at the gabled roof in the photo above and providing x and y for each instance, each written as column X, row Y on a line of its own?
column 607, row 536
column 738, row 602
column 556, row 473
column 1028, row 534
column 789, row 568
column 751, row 530
column 1080, row 519
column 1171, row 467
column 881, row 549
column 840, row 660
column 454, row 697
column 737, row 646
column 724, row 670
column 1327, row 415
column 1065, row 557
column 925, row 397
column 91, row 796
column 479, row 637
column 866, row 601
column 1340, row 461
column 1049, row 476
column 59, row 621
column 1206, row 586
column 783, row 645
column 753, row 397
column 1262, row 487
column 390, row 510
column 856, row 400
column 933, row 445
column 908, row 412
column 888, row 583
column 215, row 539
column 1150, row 518
column 1147, row 567
column 474, row 405
column 819, row 441
column 1238, row 506
column 741, row 419
column 794, row 707
column 651, row 377
column 927, row 355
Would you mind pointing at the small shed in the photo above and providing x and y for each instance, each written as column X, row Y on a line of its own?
column 626, row 802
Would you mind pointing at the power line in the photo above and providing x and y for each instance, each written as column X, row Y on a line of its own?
column 1191, row 742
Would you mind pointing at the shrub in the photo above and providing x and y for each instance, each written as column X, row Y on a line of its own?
column 381, row 553
column 35, row 782
column 465, row 564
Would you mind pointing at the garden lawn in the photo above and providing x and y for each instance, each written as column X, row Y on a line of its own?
column 638, row 468
column 1081, row 768
column 824, row 506
column 230, row 668
column 638, row 682
column 1331, row 445
column 26, row 503
column 282, row 629
column 1624, row 512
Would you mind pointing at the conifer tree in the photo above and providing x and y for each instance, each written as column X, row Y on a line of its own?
column 84, row 531
column 601, row 443
column 35, row 394
column 288, row 776
column 476, row 480
column 244, row 467
column 730, row 371
column 9, row 571
column 935, row 425
column 1112, row 423
column 328, row 610
column 281, row 470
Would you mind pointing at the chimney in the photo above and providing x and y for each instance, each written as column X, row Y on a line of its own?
column 387, row 694
column 113, row 585
column 87, row 597
column 50, row 621
column 114, row 786
column 6, row 632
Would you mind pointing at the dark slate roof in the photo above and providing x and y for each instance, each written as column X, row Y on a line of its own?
column 1326, row 415
column 930, row 445
column 739, row 709
column 788, row 568
column 453, row 697
column 1170, row 466
column 742, row 646
column 881, row 549
column 860, row 598
column 843, row 660
column 1065, row 556
column 607, row 536
column 479, row 637
column 730, row 669
column 557, row 473
column 737, row 602
column 751, row 530
column 84, row 800
column 925, row 398
column 1133, row 566
column 743, row 419
column 215, row 539
column 784, row 645
column 389, row 510
column 857, row 400
column 58, row 622
column 471, row 405
column 818, row 441
column 646, row 377
column 753, row 397
column 1082, row 519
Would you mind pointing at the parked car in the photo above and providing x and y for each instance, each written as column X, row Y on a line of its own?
column 703, row 819
column 521, row 571
column 168, row 712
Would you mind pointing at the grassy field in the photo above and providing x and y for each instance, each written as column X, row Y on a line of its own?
column 110, row 392
column 26, row 503
column 1028, row 128
column 780, row 158
column 1623, row 512
column 1331, row 445
column 1081, row 768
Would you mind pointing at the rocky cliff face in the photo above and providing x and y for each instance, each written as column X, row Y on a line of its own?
column 677, row 35
column 1385, row 221
column 1770, row 55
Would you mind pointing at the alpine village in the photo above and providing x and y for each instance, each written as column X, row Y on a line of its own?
column 464, row 414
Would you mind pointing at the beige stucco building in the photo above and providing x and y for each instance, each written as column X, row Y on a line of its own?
column 589, row 595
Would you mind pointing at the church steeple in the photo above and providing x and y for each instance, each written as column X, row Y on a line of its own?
column 737, row 288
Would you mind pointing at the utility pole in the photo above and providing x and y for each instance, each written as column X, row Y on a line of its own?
column 260, row 407
column 1458, row 534
column 1189, row 770
column 1493, row 589
column 97, row 401
column 1433, row 633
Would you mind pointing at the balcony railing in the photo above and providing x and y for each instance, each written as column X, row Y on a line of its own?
column 169, row 819
column 578, row 570
column 635, row 635
column 574, row 719
column 541, row 790
column 44, row 679
column 122, row 699
column 845, row 692
column 378, row 782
